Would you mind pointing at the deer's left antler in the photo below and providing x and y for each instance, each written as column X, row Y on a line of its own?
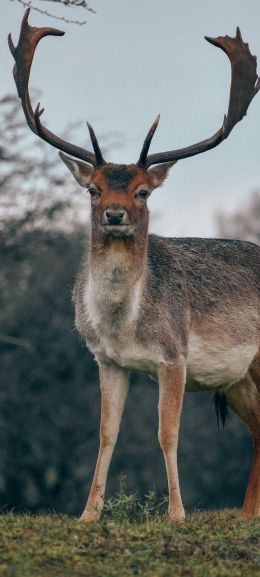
column 244, row 85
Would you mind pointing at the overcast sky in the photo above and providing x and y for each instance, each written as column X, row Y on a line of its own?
column 134, row 59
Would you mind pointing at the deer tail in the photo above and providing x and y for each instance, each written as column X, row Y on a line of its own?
column 221, row 408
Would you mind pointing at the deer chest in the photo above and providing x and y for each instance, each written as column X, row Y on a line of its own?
column 111, row 330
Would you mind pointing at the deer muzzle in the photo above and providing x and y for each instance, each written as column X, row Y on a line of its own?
column 115, row 215
column 115, row 220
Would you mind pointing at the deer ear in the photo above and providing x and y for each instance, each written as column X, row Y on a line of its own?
column 159, row 172
column 81, row 171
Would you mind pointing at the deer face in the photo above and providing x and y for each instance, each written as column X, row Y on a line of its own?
column 119, row 194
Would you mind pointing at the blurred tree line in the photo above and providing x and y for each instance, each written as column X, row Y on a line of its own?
column 243, row 223
column 49, row 415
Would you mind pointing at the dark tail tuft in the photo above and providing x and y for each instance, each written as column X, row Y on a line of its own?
column 221, row 408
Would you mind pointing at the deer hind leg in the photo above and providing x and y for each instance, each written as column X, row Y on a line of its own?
column 114, row 387
column 171, row 391
column 244, row 400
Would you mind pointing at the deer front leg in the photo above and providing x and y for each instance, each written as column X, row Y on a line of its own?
column 171, row 390
column 114, row 387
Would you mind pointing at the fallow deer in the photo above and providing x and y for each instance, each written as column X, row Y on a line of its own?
column 185, row 310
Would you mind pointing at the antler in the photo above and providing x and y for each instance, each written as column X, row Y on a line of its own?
column 23, row 56
column 244, row 86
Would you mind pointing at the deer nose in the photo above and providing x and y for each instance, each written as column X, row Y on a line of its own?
column 114, row 215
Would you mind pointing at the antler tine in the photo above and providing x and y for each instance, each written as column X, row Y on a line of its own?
column 99, row 158
column 244, row 86
column 147, row 142
column 23, row 55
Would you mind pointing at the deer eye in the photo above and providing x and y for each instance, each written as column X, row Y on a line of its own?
column 143, row 194
column 94, row 192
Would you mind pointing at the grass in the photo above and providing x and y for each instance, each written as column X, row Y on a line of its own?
column 132, row 539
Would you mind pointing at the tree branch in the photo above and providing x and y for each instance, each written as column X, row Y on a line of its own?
column 68, row 3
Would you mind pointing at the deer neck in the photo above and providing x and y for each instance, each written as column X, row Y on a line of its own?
column 116, row 277
column 117, row 263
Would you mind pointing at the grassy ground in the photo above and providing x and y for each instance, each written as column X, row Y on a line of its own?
column 130, row 540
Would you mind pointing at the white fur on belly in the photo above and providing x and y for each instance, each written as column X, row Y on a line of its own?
column 214, row 364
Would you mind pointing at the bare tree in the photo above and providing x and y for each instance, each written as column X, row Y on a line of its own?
column 32, row 184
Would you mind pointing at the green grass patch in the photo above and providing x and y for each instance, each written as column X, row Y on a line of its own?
column 132, row 539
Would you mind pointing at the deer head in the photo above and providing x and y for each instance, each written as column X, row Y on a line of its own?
column 119, row 192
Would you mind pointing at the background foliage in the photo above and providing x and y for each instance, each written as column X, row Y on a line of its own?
column 49, row 414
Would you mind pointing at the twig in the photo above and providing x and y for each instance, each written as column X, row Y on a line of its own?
column 76, row 3
column 67, row 3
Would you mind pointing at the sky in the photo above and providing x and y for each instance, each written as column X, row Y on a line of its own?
column 133, row 60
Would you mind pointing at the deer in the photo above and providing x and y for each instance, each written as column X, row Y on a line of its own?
column 185, row 311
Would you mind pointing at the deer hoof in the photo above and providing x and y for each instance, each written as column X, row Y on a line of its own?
column 90, row 516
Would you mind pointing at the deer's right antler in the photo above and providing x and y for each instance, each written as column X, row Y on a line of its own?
column 244, row 86
column 23, row 56
column 244, row 80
